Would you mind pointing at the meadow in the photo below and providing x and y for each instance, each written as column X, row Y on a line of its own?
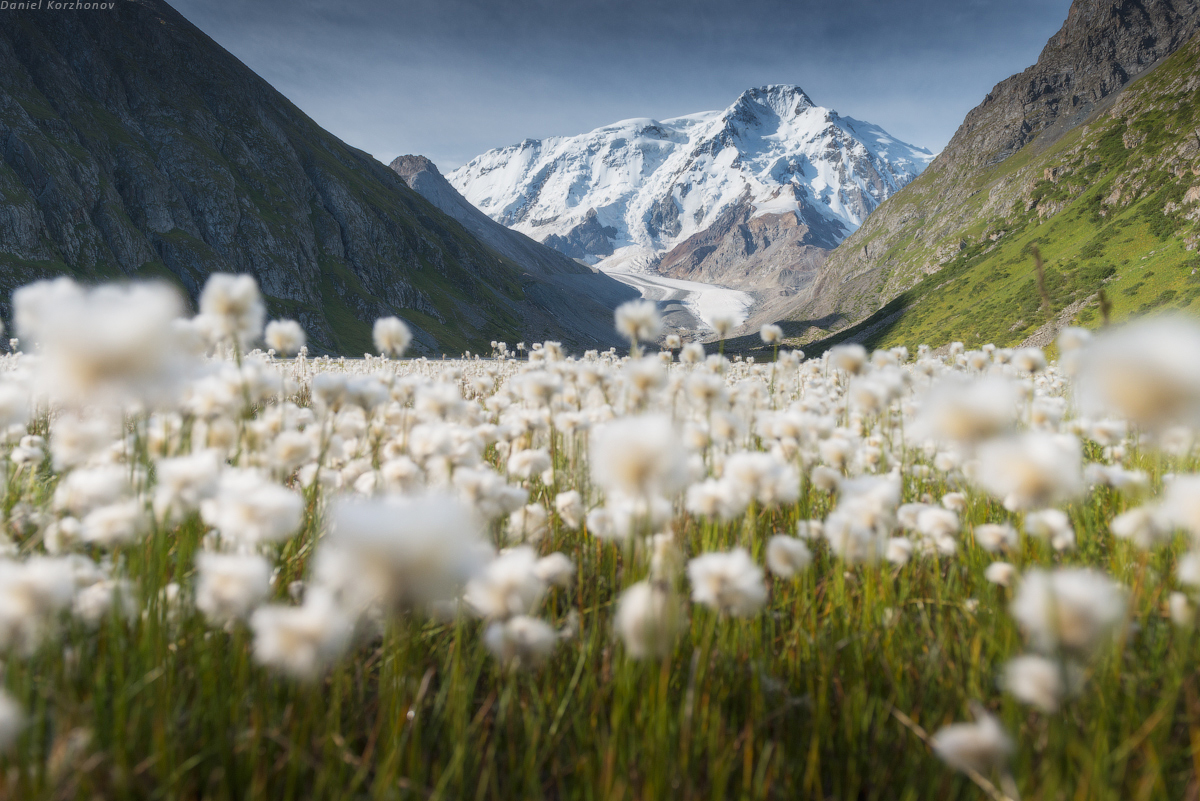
column 228, row 574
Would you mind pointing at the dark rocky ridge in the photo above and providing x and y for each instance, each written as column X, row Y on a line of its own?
column 132, row 145
column 560, row 285
column 1101, row 48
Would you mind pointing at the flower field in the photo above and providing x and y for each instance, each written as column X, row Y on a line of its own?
column 231, row 573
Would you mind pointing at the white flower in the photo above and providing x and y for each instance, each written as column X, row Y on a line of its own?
column 728, row 582
column 528, row 524
column 116, row 523
column 850, row 358
column 859, row 527
column 1072, row 608
column 520, row 640
column 284, row 336
column 185, row 481
column 509, row 585
column 230, row 585
column 529, row 463
column 638, row 320
column 31, row 593
column 980, row 746
column 105, row 345
column 12, row 720
column 555, row 569
column 405, row 550
column 1032, row 470
column 968, row 411
column 392, row 336
column 1001, row 573
column 83, row 490
column 1182, row 610
column 1147, row 372
column 1188, row 569
column 232, row 308
column 994, row 537
column 761, row 477
column 898, row 550
column 75, row 440
column 638, row 457
column 569, row 506
column 250, row 509
column 1181, row 504
column 301, row 641
column 1053, row 525
column 787, row 556
column 771, row 334
column 648, row 619
column 692, row 353
column 1142, row 525
column 94, row 602
column 1041, row 682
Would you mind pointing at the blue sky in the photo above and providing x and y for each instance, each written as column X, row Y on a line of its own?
column 452, row 78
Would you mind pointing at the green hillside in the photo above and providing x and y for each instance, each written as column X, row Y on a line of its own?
column 1113, row 205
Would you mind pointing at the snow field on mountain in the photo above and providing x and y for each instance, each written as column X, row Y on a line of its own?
column 653, row 183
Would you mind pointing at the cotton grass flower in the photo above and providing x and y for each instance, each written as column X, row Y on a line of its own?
column 232, row 308
column 1041, row 682
column 722, row 324
column 1031, row 470
column 31, row 594
column 1001, row 573
column 406, row 551
column 638, row 321
column 250, row 509
column 229, row 586
column 1147, row 372
column 648, row 620
column 787, row 556
column 510, row 585
column 981, row 746
column 521, row 641
column 284, row 336
column 391, row 336
column 108, row 345
column 1072, row 609
column 638, row 457
column 993, row 537
column 729, row 582
column 301, row 641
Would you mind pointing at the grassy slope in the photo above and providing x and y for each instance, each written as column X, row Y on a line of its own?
column 475, row 293
column 1136, row 249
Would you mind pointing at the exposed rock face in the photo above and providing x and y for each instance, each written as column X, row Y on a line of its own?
column 131, row 145
column 1103, row 45
column 768, row 253
column 582, row 297
column 587, row 238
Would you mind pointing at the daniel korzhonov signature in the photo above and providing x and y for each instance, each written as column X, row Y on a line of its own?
column 54, row 5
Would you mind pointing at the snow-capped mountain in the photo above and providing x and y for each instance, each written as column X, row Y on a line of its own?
column 627, row 193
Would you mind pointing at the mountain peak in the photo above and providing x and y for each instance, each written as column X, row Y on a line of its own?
column 783, row 100
column 408, row 166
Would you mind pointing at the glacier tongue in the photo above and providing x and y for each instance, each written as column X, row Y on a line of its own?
column 624, row 194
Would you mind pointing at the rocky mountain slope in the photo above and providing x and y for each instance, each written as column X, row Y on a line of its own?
column 1089, row 155
column 772, row 169
column 574, row 292
column 132, row 145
